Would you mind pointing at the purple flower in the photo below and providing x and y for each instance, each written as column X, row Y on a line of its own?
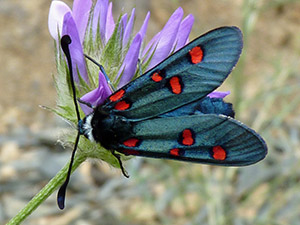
column 173, row 36
column 100, row 18
column 96, row 96
column 93, row 31
column 129, row 64
column 218, row 94
column 63, row 21
column 80, row 14
column 110, row 23
column 76, row 51
column 131, row 59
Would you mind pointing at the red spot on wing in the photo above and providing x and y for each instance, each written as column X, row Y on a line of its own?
column 117, row 96
column 122, row 105
column 175, row 84
column 132, row 142
column 130, row 152
column 219, row 153
column 187, row 137
column 175, row 151
column 196, row 54
column 156, row 77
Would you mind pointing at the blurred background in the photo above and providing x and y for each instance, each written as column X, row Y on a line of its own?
column 265, row 92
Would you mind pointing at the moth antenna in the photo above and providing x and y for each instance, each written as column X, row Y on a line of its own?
column 102, row 70
column 61, row 195
column 65, row 41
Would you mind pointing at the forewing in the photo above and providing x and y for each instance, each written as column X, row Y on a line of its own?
column 186, row 76
column 209, row 139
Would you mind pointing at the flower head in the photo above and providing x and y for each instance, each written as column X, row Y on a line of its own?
column 114, row 45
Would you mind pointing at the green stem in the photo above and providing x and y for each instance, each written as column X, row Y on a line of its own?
column 53, row 184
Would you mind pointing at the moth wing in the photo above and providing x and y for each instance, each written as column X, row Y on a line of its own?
column 209, row 139
column 182, row 78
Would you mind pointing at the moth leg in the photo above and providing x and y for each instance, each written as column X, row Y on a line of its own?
column 118, row 157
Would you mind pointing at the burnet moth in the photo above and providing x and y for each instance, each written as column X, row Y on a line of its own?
column 168, row 113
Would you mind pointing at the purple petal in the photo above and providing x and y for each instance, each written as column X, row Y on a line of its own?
column 99, row 18
column 129, row 64
column 103, row 18
column 167, row 38
column 81, row 13
column 150, row 45
column 76, row 52
column 128, row 28
column 184, row 31
column 110, row 23
column 122, row 24
column 97, row 96
column 144, row 26
column 218, row 94
column 56, row 17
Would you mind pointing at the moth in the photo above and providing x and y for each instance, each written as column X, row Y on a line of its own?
column 168, row 112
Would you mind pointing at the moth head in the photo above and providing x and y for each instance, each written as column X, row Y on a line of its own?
column 85, row 127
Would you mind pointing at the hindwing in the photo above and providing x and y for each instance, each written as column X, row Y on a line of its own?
column 210, row 139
